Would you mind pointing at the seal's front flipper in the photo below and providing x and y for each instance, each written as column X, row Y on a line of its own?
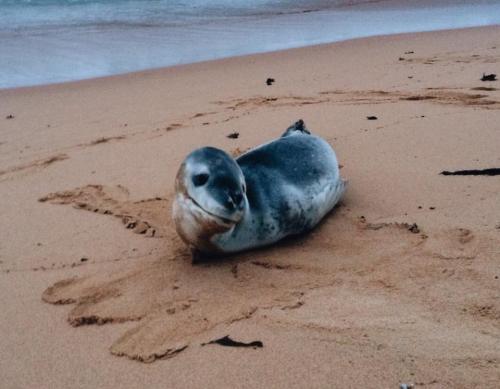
column 298, row 126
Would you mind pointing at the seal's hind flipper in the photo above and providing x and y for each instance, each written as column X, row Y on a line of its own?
column 299, row 126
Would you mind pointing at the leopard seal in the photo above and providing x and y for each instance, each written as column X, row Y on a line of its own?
column 280, row 188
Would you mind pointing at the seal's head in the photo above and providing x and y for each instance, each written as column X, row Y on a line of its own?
column 210, row 197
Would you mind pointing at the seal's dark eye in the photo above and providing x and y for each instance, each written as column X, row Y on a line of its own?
column 200, row 179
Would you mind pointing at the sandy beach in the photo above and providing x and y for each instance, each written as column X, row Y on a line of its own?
column 399, row 284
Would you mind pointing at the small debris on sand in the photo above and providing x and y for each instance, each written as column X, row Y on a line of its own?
column 414, row 228
column 473, row 172
column 233, row 135
column 489, row 77
column 270, row 81
column 409, row 52
column 228, row 342
column 9, row 117
column 372, row 117
column 84, row 259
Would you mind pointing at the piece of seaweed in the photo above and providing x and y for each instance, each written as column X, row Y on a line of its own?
column 228, row 342
column 473, row 172
column 489, row 77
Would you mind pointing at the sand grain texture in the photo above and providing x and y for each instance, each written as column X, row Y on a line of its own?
column 399, row 284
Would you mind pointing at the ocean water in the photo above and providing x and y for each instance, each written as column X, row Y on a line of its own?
column 47, row 41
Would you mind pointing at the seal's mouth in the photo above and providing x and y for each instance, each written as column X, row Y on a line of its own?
column 224, row 220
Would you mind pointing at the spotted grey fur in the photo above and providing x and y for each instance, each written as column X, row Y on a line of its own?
column 281, row 188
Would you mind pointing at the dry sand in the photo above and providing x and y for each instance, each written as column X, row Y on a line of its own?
column 365, row 300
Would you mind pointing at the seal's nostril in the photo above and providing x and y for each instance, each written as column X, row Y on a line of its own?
column 234, row 200
column 237, row 198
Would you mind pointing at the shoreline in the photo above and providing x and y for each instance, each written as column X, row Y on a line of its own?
column 398, row 285
column 215, row 62
column 75, row 54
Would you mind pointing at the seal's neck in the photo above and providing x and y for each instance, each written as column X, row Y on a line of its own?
column 240, row 237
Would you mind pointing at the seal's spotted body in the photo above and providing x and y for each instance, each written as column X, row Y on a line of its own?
column 281, row 188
